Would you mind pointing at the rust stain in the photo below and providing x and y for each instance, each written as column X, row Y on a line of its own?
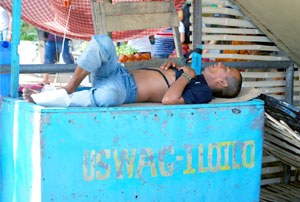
column 236, row 111
column 156, row 118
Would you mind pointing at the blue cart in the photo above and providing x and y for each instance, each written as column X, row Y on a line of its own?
column 208, row 152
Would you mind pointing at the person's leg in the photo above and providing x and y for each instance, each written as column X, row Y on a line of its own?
column 50, row 50
column 66, row 53
column 99, row 58
column 111, row 93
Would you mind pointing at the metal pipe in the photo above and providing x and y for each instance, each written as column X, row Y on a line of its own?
column 59, row 68
column 197, row 24
column 40, row 68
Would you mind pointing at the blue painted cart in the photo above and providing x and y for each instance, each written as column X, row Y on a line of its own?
column 208, row 152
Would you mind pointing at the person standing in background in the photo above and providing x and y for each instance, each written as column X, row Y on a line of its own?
column 142, row 45
column 164, row 41
column 53, row 44
column 5, row 25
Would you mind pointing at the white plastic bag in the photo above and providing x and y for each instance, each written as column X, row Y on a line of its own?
column 52, row 97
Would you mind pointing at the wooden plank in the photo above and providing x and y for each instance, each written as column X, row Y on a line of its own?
column 281, row 154
column 196, row 17
column 268, row 170
column 282, row 97
column 135, row 8
column 286, row 188
column 177, row 41
column 229, row 30
column 287, row 138
column 270, row 181
column 290, row 148
column 221, row 10
column 284, row 128
column 263, row 83
column 275, row 128
column 219, row 2
column 99, row 18
column 263, row 74
column 245, row 57
column 227, row 22
column 268, row 159
column 142, row 21
column 240, row 47
column 279, row 97
column 274, row 196
column 283, row 194
column 236, row 38
column 272, row 90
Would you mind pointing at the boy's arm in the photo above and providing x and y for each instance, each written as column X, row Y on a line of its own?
column 78, row 76
column 174, row 93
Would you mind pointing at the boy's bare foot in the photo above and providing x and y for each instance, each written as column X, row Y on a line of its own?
column 27, row 94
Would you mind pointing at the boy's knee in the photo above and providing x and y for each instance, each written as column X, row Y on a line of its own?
column 107, row 45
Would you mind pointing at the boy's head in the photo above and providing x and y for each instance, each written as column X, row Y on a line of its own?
column 224, row 81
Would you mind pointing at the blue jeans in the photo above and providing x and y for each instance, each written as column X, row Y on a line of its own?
column 113, row 85
column 50, row 51
column 3, row 34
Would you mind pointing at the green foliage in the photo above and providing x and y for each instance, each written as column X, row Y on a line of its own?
column 28, row 32
column 125, row 49
column 80, row 47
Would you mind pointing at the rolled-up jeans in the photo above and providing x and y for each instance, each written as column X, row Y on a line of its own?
column 112, row 84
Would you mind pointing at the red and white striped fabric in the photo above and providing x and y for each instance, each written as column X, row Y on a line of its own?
column 52, row 15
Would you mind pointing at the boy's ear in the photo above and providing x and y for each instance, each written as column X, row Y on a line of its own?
column 223, row 83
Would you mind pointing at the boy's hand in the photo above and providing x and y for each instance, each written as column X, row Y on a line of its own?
column 189, row 71
column 168, row 65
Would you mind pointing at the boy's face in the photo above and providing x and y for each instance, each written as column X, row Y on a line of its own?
column 218, row 72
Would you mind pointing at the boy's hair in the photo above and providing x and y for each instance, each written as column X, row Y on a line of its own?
column 232, row 90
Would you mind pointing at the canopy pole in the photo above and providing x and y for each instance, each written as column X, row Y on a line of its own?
column 15, row 59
